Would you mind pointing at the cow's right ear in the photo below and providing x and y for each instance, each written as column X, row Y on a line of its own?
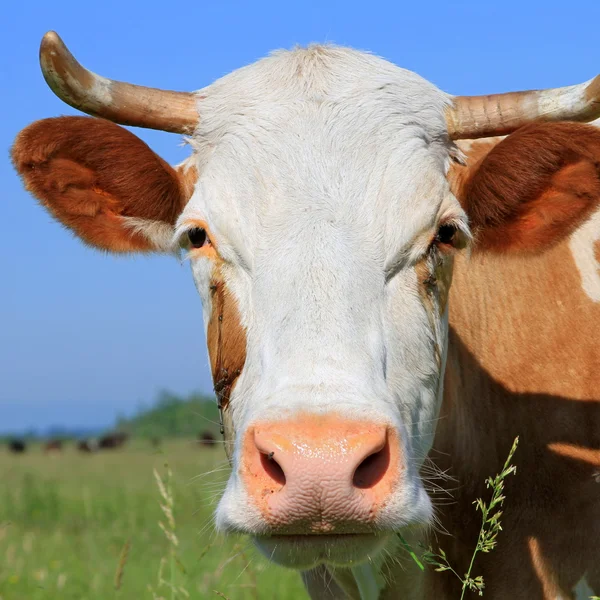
column 102, row 182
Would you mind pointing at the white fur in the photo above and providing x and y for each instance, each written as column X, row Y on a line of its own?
column 322, row 176
column 583, row 245
column 159, row 234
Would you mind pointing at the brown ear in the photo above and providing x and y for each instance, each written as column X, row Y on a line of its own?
column 101, row 181
column 532, row 189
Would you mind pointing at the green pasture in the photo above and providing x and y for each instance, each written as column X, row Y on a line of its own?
column 76, row 526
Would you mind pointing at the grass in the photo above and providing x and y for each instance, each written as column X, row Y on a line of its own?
column 487, row 540
column 137, row 523
column 86, row 527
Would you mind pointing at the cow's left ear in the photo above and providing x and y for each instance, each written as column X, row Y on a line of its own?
column 533, row 188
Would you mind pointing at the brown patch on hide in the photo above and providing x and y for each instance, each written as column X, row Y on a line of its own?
column 543, row 570
column 90, row 173
column 528, row 320
column 585, row 455
column 532, row 189
column 226, row 340
column 523, row 360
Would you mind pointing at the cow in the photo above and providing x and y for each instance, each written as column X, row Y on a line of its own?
column 17, row 446
column 111, row 441
column 396, row 283
column 206, row 439
column 87, row 446
column 155, row 442
column 53, row 446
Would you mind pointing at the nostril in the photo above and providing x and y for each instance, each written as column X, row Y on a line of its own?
column 372, row 469
column 272, row 468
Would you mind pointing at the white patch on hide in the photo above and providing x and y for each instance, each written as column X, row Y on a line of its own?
column 584, row 245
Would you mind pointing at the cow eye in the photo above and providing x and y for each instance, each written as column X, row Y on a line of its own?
column 198, row 237
column 446, row 234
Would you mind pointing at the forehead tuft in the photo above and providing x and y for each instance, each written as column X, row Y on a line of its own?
column 325, row 75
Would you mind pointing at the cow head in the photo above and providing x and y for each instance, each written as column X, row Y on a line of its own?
column 320, row 211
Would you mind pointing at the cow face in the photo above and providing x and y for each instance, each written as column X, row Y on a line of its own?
column 320, row 226
column 320, row 234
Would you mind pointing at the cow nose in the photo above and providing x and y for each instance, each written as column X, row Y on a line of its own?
column 319, row 474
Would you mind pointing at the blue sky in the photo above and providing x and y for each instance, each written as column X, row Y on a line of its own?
column 84, row 335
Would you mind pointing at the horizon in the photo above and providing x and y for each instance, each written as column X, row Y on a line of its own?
column 87, row 336
column 74, row 429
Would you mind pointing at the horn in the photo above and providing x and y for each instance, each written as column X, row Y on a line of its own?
column 471, row 117
column 116, row 101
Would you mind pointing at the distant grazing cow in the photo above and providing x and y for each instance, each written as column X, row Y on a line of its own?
column 206, row 438
column 17, row 446
column 87, row 446
column 112, row 441
column 330, row 202
column 155, row 442
column 53, row 446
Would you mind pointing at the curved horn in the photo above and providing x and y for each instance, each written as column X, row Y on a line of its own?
column 472, row 117
column 116, row 101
